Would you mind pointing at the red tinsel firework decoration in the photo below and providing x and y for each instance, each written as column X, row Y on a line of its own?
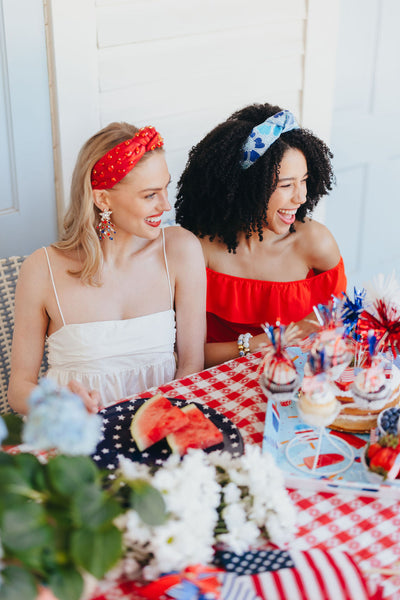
column 383, row 317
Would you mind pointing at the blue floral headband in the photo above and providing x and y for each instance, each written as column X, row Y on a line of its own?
column 264, row 135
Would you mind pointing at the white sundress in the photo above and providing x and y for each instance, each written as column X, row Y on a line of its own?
column 116, row 358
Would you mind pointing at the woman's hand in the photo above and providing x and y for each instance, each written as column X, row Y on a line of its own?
column 91, row 398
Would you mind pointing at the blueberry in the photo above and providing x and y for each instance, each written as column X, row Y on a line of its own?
column 389, row 419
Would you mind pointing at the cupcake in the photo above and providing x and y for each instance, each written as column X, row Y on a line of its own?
column 370, row 388
column 330, row 350
column 317, row 403
column 278, row 372
column 280, row 377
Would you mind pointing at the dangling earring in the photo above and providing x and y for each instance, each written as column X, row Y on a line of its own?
column 105, row 228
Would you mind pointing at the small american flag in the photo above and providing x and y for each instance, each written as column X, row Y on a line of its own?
column 275, row 416
column 317, row 575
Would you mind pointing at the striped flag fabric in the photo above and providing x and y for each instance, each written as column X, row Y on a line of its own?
column 317, row 575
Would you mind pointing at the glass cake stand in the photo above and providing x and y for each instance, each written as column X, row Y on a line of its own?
column 314, row 451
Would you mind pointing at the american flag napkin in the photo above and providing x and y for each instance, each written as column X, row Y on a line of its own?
column 316, row 575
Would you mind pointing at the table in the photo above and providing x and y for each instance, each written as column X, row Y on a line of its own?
column 368, row 528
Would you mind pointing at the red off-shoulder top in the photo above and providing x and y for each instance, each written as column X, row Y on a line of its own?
column 237, row 305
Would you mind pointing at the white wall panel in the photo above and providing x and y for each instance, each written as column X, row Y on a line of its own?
column 244, row 50
column 186, row 65
column 387, row 69
column 200, row 91
column 355, row 76
column 351, row 183
column 140, row 20
column 366, row 129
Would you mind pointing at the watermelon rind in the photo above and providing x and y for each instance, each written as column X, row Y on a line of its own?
column 200, row 432
column 154, row 420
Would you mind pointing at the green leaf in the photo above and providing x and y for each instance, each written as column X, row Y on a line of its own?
column 14, row 487
column 32, row 559
column 93, row 509
column 18, row 584
column 96, row 552
column 66, row 584
column 68, row 473
column 14, row 424
column 24, row 527
column 148, row 503
column 28, row 466
column 6, row 459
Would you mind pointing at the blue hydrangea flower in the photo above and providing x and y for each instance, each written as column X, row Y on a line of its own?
column 59, row 420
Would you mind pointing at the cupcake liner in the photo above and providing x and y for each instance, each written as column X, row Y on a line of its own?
column 371, row 401
column 281, row 393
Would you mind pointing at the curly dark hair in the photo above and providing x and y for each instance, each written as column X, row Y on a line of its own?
column 219, row 199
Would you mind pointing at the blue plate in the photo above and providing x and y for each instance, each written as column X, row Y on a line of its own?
column 117, row 440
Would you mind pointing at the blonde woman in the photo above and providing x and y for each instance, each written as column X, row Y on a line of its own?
column 120, row 299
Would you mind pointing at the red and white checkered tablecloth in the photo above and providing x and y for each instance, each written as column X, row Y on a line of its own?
column 367, row 528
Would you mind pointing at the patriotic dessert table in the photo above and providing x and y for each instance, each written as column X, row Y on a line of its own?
column 335, row 520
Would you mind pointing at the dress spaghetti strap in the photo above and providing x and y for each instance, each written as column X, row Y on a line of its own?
column 54, row 287
column 166, row 267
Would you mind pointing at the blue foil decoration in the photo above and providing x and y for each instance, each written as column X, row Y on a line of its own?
column 351, row 311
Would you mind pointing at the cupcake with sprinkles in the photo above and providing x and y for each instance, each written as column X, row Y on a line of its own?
column 371, row 388
column 279, row 377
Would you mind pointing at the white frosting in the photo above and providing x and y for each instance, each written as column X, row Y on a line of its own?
column 370, row 381
column 317, row 404
column 317, row 390
column 280, row 372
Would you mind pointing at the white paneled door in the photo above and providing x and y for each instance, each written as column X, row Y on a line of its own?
column 27, row 196
column 364, row 210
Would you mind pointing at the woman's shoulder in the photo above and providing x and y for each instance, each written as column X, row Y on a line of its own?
column 33, row 274
column 177, row 236
column 35, row 262
column 36, row 265
column 318, row 245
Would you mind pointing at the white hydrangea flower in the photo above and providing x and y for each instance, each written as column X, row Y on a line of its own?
column 264, row 496
column 192, row 496
column 231, row 493
column 131, row 470
column 242, row 533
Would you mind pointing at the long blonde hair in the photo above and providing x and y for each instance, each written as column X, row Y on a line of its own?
column 82, row 215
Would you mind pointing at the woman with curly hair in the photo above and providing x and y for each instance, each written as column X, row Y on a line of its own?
column 247, row 192
column 118, row 300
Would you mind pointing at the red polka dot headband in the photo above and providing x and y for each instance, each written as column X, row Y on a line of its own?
column 117, row 162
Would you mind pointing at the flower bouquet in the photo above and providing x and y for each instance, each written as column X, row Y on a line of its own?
column 62, row 518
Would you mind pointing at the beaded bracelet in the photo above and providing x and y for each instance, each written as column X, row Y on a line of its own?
column 243, row 343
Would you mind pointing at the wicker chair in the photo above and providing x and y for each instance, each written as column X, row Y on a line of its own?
column 9, row 269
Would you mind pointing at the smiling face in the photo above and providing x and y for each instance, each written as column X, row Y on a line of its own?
column 140, row 199
column 290, row 192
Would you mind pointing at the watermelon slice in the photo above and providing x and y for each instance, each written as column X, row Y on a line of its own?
column 324, row 460
column 155, row 419
column 200, row 432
